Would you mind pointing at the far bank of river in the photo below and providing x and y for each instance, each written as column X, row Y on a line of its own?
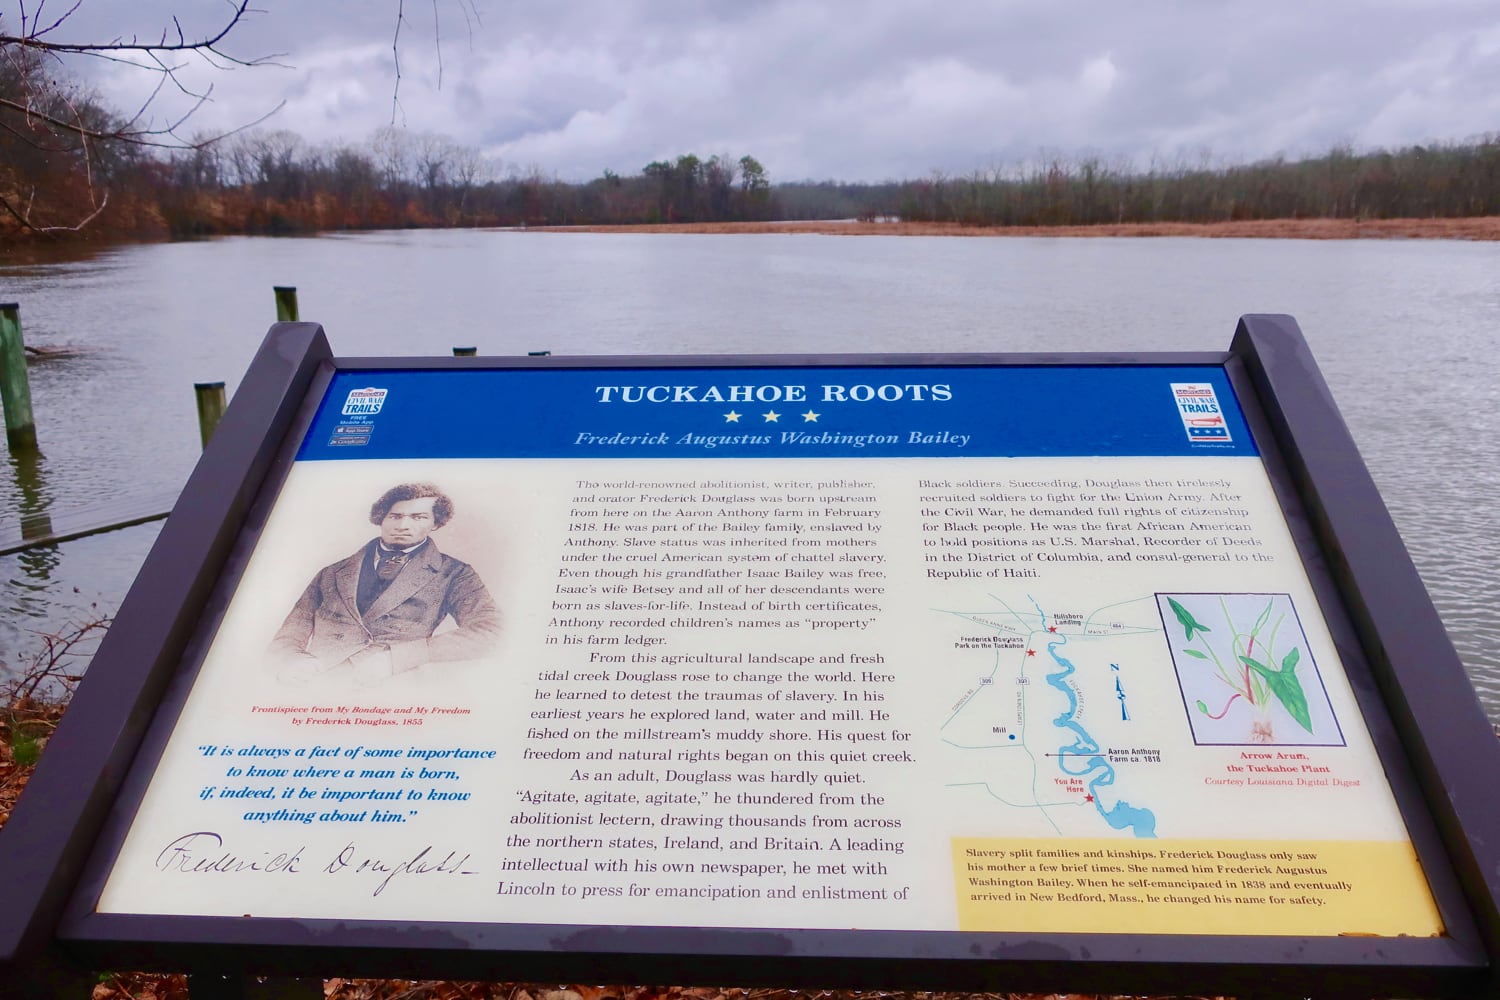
column 1474, row 228
column 1484, row 227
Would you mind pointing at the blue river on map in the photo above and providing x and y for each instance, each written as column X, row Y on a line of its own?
column 1141, row 822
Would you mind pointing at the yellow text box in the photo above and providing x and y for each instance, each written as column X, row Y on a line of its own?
column 1305, row 888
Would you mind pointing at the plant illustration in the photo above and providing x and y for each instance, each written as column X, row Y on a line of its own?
column 1249, row 673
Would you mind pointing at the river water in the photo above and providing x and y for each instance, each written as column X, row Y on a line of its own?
column 1403, row 330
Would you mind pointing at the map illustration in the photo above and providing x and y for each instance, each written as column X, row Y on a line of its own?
column 1054, row 700
column 1245, row 673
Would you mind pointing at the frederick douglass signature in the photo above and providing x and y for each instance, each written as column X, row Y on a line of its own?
column 424, row 862
column 203, row 852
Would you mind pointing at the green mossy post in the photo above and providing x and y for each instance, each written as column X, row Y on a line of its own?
column 15, row 389
column 465, row 352
column 210, row 407
column 286, row 303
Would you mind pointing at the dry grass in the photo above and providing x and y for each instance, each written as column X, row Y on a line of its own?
column 24, row 729
column 1477, row 228
column 145, row 986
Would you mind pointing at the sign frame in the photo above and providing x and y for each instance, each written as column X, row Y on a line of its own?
column 1423, row 717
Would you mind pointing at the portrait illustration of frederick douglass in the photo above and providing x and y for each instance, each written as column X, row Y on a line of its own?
column 380, row 609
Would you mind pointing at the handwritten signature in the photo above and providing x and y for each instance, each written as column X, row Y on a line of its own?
column 424, row 862
column 202, row 852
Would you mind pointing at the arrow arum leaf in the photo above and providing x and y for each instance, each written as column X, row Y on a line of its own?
column 1285, row 686
column 1186, row 619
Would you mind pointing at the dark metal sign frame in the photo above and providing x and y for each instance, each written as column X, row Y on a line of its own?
column 1423, row 717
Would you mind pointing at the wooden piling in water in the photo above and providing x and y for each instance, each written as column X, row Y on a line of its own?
column 15, row 388
column 286, row 303
column 210, row 407
column 465, row 352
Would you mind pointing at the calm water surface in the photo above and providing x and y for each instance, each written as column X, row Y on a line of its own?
column 1404, row 332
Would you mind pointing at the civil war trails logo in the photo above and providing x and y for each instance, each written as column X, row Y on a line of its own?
column 364, row 401
column 1201, row 416
column 359, row 407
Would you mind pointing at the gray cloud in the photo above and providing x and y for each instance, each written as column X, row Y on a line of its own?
column 868, row 91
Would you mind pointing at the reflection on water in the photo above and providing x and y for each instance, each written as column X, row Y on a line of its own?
column 27, row 467
column 1400, row 328
column 41, row 561
column 32, row 589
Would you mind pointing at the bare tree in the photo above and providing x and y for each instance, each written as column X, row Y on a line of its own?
column 391, row 149
column 468, row 168
column 45, row 118
column 162, row 58
column 431, row 154
column 50, row 126
column 272, row 158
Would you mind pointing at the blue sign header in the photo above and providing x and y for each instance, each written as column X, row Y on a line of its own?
column 801, row 412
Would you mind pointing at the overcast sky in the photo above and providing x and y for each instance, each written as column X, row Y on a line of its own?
column 822, row 89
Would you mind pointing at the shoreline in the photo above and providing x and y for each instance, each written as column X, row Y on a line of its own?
column 1483, row 228
column 1474, row 228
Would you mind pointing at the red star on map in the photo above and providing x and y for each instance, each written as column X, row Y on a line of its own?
column 1088, row 798
column 1031, row 652
column 1051, row 628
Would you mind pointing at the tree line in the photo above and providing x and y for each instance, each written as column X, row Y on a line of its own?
column 1445, row 180
column 69, row 165
column 273, row 182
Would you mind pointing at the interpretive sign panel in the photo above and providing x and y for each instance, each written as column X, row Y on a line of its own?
column 1099, row 673
column 936, row 648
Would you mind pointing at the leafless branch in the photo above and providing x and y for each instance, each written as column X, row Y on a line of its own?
column 396, row 59
column 55, row 24
column 437, row 40
column 41, row 110
column 471, row 17
column 34, row 39
column 148, row 56
column 165, row 137
column 55, row 670
column 23, row 216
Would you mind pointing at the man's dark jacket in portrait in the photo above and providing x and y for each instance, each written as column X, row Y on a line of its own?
column 327, row 625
